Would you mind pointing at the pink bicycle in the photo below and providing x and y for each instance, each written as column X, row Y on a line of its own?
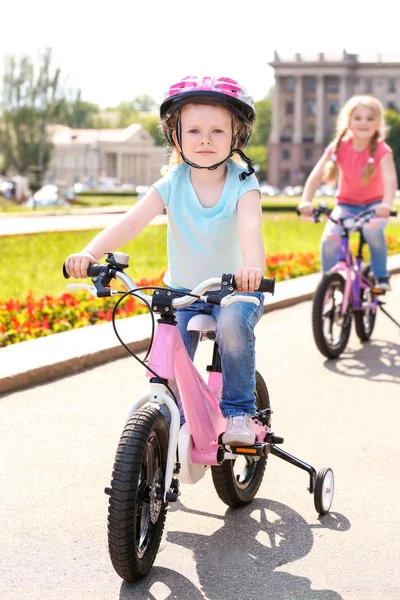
column 154, row 456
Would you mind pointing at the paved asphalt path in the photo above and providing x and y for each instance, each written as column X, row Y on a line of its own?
column 57, row 444
column 82, row 221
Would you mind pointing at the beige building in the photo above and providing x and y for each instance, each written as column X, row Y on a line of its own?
column 308, row 94
column 89, row 155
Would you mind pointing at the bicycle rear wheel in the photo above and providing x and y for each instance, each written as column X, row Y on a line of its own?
column 364, row 319
column 237, row 481
column 137, row 511
column 331, row 329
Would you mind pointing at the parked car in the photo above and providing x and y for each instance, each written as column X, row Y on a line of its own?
column 47, row 195
column 269, row 190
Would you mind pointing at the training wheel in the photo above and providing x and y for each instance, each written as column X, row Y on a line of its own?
column 323, row 491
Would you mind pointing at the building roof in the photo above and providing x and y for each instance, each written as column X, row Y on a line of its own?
column 62, row 134
column 330, row 57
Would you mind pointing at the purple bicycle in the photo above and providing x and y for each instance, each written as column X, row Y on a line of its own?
column 347, row 291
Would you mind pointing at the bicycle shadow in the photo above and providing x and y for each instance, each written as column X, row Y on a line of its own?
column 377, row 360
column 240, row 558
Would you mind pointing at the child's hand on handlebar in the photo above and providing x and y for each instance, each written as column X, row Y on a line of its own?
column 248, row 279
column 305, row 209
column 382, row 211
column 77, row 264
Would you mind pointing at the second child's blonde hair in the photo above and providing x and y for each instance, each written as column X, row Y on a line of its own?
column 331, row 172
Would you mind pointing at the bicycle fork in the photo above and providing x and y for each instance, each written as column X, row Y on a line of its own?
column 158, row 395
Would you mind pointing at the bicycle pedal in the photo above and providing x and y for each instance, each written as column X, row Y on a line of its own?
column 258, row 449
column 271, row 438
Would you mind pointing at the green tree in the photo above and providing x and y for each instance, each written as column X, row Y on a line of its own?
column 78, row 113
column 144, row 103
column 151, row 123
column 262, row 126
column 258, row 143
column 31, row 97
column 393, row 138
column 258, row 156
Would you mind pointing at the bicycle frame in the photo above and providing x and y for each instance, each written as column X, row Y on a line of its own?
column 197, row 439
column 352, row 268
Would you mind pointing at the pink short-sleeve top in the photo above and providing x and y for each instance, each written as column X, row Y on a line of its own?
column 351, row 164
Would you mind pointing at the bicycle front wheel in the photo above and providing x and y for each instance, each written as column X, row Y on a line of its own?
column 137, row 511
column 331, row 329
column 364, row 319
column 237, row 481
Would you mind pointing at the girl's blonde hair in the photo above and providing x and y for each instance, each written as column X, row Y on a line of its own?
column 331, row 172
column 173, row 154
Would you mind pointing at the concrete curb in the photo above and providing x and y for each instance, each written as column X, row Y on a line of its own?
column 44, row 359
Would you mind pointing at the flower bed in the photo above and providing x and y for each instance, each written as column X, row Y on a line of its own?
column 33, row 318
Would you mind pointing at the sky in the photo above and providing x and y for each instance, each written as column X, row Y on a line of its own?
column 115, row 51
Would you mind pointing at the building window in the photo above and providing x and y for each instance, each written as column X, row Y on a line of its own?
column 391, row 85
column 308, row 154
column 287, row 132
column 311, row 84
column 289, row 84
column 368, row 85
column 332, row 84
column 286, row 177
column 334, row 107
column 311, row 107
column 309, row 132
column 285, row 154
column 289, row 108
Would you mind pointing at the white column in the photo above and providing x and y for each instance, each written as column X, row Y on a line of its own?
column 320, row 116
column 298, row 111
column 275, row 132
column 344, row 95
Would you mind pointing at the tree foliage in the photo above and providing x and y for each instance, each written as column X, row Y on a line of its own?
column 392, row 118
column 262, row 126
column 77, row 113
column 257, row 147
column 31, row 97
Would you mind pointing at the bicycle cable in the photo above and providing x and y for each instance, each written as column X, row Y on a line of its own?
column 133, row 293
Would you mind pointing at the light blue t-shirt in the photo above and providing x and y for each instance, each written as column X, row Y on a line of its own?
column 202, row 242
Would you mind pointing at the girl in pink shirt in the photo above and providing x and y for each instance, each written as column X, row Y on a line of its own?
column 362, row 164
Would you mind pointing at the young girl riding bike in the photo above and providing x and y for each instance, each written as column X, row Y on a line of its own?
column 214, row 215
column 364, row 165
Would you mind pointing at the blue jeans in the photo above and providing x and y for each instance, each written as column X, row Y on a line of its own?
column 236, row 342
column 373, row 233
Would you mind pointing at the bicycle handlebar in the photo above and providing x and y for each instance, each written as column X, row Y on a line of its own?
column 101, row 275
column 322, row 209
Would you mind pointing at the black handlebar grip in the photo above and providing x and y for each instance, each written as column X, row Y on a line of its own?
column 267, row 285
column 393, row 213
column 66, row 276
column 93, row 270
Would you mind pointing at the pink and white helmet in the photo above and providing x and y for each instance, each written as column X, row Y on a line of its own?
column 219, row 90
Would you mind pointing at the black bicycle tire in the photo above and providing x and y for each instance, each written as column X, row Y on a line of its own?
column 223, row 475
column 317, row 325
column 124, row 524
column 318, row 491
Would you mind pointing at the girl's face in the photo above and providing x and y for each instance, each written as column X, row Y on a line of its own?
column 206, row 133
column 363, row 122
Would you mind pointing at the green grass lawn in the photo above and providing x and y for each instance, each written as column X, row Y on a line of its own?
column 34, row 261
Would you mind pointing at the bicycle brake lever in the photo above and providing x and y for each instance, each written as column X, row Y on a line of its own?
column 83, row 286
column 230, row 299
